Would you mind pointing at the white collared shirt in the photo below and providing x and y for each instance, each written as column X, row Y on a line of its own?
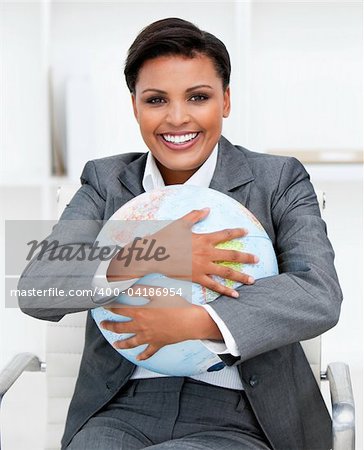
column 229, row 376
column 152, row 178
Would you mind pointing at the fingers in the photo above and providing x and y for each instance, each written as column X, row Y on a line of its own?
column 122, row 310
column 148, row 352
column 118, row 327
column 233, row 275
column 234, row 256
column 226, row 235
column 168, row 301
column 126, row 344
column 132, row 342
column 219, row 288
column 229, row 274
column 195, row 216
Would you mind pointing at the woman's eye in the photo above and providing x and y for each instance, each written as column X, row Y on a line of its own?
column 156, row 100
column 199, row 98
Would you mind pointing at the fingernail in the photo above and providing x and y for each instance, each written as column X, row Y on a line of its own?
column 235, row 294
column 205, row 209
column 256, row 259
column 251, row 280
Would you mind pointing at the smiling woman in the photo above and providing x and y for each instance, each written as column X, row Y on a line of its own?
column 265, row 395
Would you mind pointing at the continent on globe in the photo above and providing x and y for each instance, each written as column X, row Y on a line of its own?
column 171, row 203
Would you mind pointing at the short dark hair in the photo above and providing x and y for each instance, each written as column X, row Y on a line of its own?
column 174, row 36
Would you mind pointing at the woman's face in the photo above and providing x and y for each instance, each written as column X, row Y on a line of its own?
column 179, row 104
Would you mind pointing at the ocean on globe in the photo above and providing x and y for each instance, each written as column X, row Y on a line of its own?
column 170, row 203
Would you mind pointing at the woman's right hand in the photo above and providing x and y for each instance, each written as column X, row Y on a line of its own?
column 205, row 256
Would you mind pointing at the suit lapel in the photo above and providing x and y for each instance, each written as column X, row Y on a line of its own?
column 232, row 174
column 130, row 177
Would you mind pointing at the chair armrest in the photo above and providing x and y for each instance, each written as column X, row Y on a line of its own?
column 20, row 363
column 343, row 408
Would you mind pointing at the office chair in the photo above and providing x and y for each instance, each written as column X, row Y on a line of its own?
column 64, row 346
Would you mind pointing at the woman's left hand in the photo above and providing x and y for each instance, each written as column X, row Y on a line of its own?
column 166, row 319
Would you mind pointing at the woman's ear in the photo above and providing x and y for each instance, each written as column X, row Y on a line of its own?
column 135, row 109
column 227, row 104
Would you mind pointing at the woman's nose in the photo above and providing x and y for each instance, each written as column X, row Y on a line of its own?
column 177, row 114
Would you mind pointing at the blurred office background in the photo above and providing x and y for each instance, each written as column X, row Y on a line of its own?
column 296, row 89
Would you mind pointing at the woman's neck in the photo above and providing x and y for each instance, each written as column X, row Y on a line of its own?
column 174, row 177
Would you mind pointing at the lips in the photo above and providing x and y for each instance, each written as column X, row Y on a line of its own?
column 182, row 140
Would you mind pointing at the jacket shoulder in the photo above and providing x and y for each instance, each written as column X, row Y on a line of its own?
column 105, row 171
column 109, row 165
column 273, row 169
column 265, row 159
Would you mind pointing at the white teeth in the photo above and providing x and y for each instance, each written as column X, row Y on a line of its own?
column 181, row 139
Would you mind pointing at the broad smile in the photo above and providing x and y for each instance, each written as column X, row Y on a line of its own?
column 180, row 140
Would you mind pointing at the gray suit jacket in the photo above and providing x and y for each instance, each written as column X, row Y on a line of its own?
column 267, row 321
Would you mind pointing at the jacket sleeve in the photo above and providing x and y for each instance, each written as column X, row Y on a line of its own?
column 75, row 232
column 304, row 300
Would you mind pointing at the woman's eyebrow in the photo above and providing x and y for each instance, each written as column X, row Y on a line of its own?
column 193, row 88
column 199, row 86
column 154, row 90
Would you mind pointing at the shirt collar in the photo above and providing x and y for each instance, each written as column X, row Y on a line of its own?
column 152, row 178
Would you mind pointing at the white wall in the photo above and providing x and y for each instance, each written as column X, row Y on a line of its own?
column 306, row 75
column 24, row 102
column 296, row 84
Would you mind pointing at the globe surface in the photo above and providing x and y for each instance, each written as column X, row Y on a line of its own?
column 170, row 203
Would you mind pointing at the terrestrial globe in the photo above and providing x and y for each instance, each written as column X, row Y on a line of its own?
column 149, row 212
